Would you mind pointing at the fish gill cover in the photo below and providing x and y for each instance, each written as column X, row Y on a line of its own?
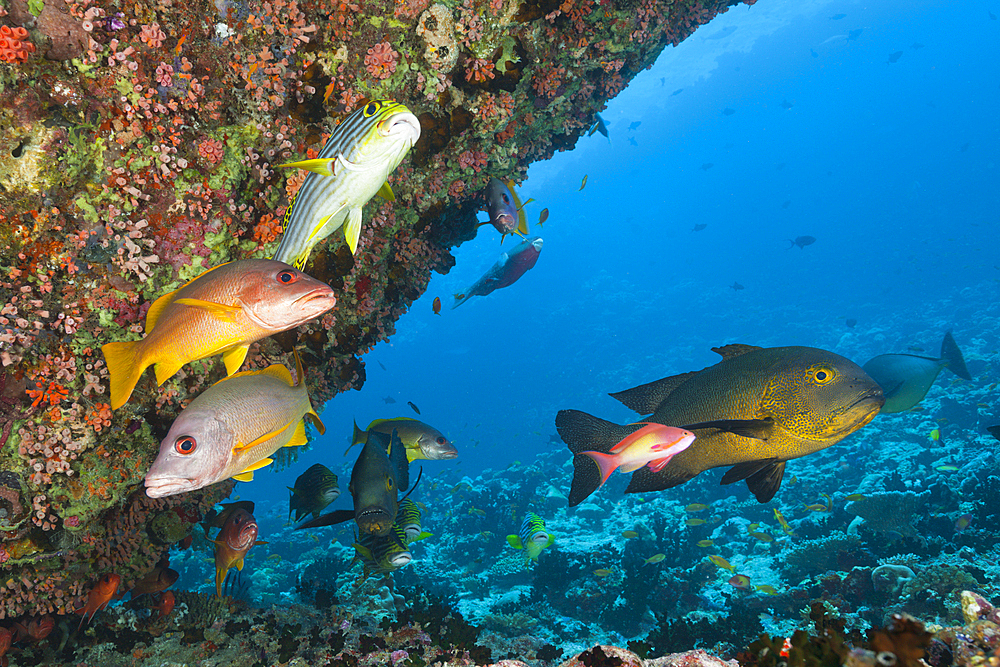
column 140, row 147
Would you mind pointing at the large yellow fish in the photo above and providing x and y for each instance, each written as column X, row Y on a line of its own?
column 754, row 410
column 351, row 169
column 222, row 311
column 231, row 429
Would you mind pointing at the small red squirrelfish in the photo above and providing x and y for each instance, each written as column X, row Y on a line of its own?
column 99, row 597
column 156, row 580
column 238, row 534
column 164, row 603
column 6, row 637
column 653, row 445
column 222, row 311
column 231, row 429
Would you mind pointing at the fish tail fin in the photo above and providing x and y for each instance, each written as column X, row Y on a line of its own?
column 459, row 300
column 606, row 463
column 360, row 435
column 125, row 366
column 585, row 433
column 953, row 357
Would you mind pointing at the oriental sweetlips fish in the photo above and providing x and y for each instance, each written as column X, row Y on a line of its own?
column 506, row 271
column 906, row 378
column 231, row 429
column 222, row 311
column 422, row 441
column 532, row 537
column 314, row 489
column 653, row 445
column 380, row 471
column 408, row 517
column 505, row 208
column 238, row 535
column 754, row 410
column 353, row 167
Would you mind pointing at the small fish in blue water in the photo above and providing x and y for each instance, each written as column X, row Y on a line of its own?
column 677, row 92
column 699, row 226
column 707, row 165
column 736, row 287
column 854, row 34
column 786, row 105
column 894, row 57
column 634, row 124
column 413, row 406
column 728, row 111
column 801, row 241
column 632, row 141
column 388, row 400
column 599, row 126
column 507, row 270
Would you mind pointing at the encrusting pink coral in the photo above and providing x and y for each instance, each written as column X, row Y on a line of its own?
column 381, row 60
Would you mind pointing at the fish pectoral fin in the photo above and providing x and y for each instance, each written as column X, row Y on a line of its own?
column 260, row 439
column 247, row 474
column 352, row 230
column 317, row 422
column 514, row 541
column 328, row 519
column 763, row 477
column 234, row 358
column 386, row 193
column 218, row 310
column 889, row 393
column 758, row 429
column 321, row 166
column 239, row 565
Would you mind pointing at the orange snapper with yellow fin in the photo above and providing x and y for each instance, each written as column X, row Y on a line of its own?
column 222, row 311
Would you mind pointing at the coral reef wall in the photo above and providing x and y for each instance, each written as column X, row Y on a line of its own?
column 140, row 143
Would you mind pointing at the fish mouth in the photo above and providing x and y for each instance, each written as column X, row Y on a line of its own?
column 161, row 487
column 865, row 407
column 402, row 124
column 537, row 244
column 401, row 559
column 441, row 454
column 374, row 520
column 314, row 299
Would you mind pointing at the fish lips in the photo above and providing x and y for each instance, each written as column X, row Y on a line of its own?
column 161, row 487
column 374, row 520
column 402, row 124
column 316, row 302
column 400, row 559
column 866, row 407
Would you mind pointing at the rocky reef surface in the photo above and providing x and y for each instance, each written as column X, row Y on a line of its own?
column 139, row 145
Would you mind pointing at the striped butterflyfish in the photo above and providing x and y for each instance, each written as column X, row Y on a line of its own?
column 353, row 167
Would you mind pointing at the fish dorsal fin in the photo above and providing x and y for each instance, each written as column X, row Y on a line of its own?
column 280, row 372
column 646, row 398
column 316, row 421
column 386, row 193
column 397, row 457
column 734, row 350
column 256, row 441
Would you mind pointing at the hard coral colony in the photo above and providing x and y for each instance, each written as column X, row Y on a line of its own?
column 140, row 148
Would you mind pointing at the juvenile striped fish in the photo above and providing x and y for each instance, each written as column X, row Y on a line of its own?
column 532, row 537
column 222, row 311
column 231, row 429
column 353, row 167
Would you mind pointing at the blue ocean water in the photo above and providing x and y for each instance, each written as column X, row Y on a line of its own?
column 872, row 127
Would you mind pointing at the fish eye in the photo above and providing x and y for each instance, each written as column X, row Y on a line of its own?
column 823, row 375
column 506, row 199
column 441, row 440
column 185, row 445
column 371, row 109
column 287, row 277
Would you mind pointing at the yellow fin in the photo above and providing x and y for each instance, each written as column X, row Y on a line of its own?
column 247, row 474
column 299, row 437
column 386, row 193
column 321, row 166
column 234, row 358
column 155, row 310
column 166, row 369
column 279, row 371
column 264, row 438
column 125, row 369
column 239, row 565
column 352, row 230
column 218, row 310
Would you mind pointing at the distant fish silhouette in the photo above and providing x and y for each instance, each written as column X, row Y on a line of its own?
column 854, row 34
column 916, row 45
column 837, row 17
column 802, row 241
column 700, row 226
column 706, row 166
column 725, row 32
column 729, row 112
column 383, row 366
column 663, row 81
column 993, row 17
column 814, row 54
column 786, row 105
column 388, row 400
column 893, row 57
column 850, row 321
column 415, row 408
column 634, row 124
column 632, row 141
column 736, row 287
column 676, row 92
column 786, row 204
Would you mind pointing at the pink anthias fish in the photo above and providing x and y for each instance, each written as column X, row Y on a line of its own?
column 653, row 445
